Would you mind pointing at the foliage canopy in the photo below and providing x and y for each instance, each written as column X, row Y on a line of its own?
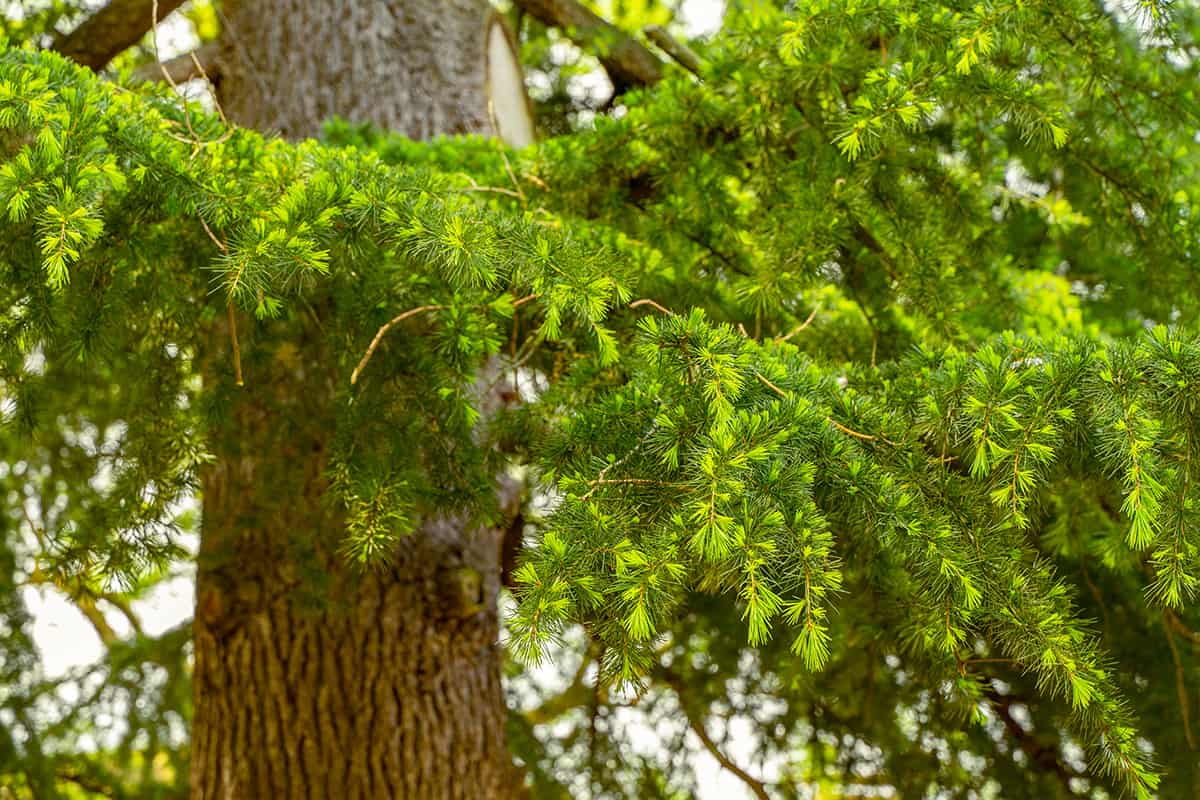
column 876, row 345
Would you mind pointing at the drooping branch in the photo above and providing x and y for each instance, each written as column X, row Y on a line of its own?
column 112, row 29
column 629, row 63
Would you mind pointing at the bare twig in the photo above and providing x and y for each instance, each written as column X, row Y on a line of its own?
column 491, row 109
column 800, row 327
column 645, row 301
column 185, row 67
column 237, row 350
column 601, row 478
column 1180, row 687
column 212, row 87
column 848, row 431
column 362, row 364
column 757, row 787
column 771, row 386
column 1181, row 629
column 474, row 187
column 224, row 249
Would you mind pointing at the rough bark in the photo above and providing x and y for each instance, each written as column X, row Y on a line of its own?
column 312, row 679
column 413, row 66
column 115, row 27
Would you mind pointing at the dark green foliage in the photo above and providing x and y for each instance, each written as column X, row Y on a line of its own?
column 862, row 379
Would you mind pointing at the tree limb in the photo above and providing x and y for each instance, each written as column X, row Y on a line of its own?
column 683, row 55
column 757, row 787
column 111, row 30
column 629, row 64
column 1045, row 756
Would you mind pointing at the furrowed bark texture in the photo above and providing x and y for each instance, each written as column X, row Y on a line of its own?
column 312, row 679
column 115, row 27
column 412, row 66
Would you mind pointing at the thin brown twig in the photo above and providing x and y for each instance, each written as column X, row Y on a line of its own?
column 187, row 114
column 849, row 431
column 1180, row 687
column 800, row 327
column 213, row 91
column 536, row 181
column 195, row 140
column 601, row 479
column 1181, row 629
column 211, row 235
column 383, row 332
column 519, row 193
column 771, row 386
column 475, row 187
column 757, row 787
column 237, row 350
column 646, row 301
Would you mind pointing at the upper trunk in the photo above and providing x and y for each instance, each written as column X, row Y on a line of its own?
column 313, row 679
column 417, row 67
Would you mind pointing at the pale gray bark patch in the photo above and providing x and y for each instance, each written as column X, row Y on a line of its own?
column 417, row 67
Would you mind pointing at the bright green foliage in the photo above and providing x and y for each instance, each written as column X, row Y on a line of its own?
column 862, row 374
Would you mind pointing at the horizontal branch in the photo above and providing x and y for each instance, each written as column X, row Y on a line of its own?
column 680, row 53
column 111, row 30
column 629, row 63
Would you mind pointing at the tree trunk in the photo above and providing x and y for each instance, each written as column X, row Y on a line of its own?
column 313, row 680
column 417, row 67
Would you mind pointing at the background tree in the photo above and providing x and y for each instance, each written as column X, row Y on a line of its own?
column 825, row 354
